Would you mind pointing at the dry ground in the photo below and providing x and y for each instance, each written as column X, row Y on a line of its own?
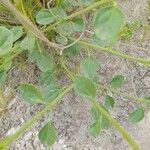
column 69, row 117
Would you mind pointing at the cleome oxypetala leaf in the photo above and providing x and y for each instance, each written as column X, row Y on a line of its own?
column 107, row 24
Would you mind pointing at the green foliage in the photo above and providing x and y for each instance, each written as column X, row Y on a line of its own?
column 47, row 16
column 48, row 86
column 28, row 42
column 44, row 17
column 89, row 67
column 44, row 61
column 109, row 102
column 17, row 32
column 6, row 40
column 117, row 81
column 30, row 93
column 47, row 135
column 95, row 128
column 107, row 24
column 2, row 77
column 136, row 115
column 69, row 27
column 85, row 87
column 99, row 122
column 72, row 50
column 46, row 39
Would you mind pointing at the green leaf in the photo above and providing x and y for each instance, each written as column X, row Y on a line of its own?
column 28, row 42
column 104, row 122
column 61, row 40
column 48, row 86
column 100, row 122
column 58, row 12
column 46, row 78
column 109, row 102
column 17, row 32
column 68, row 27
column 2, row 77
column 6, row 40
column 89, row 67
column 78, row 25
column 73, row 3
column 47, row 16
column 44, row 17
column 117, row 81
column 50, row 92
column 85, row 87
column 47, row 135
column 44, row 61
column 136, row 115
column 107, row 24
column 65, row 28
column 87, row 2
column 95, row 128
column 95, row 113
column 95, row 40
column 30, row 93
column 72, row 50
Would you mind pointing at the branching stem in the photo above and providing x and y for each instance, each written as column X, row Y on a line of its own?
column 117, row 125
column 8, row 140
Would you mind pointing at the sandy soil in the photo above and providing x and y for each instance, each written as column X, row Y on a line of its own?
column 69, row 117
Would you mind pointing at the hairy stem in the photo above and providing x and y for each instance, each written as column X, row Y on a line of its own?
column 126, row 95
column 8, row 140
column 79, row 13
column 117, row 125
column 114, row 52
column 114, row 122
column 27, row 23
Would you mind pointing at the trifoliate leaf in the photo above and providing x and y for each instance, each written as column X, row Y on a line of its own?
column 47, row 135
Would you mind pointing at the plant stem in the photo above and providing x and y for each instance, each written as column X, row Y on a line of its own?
column 117, row 125
column 38, row 3
column 114, row 52
column 69, row 73
column 27, row 23
column 141, row 100
column 79, row 13
column 114, row 122
column 8, row 140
